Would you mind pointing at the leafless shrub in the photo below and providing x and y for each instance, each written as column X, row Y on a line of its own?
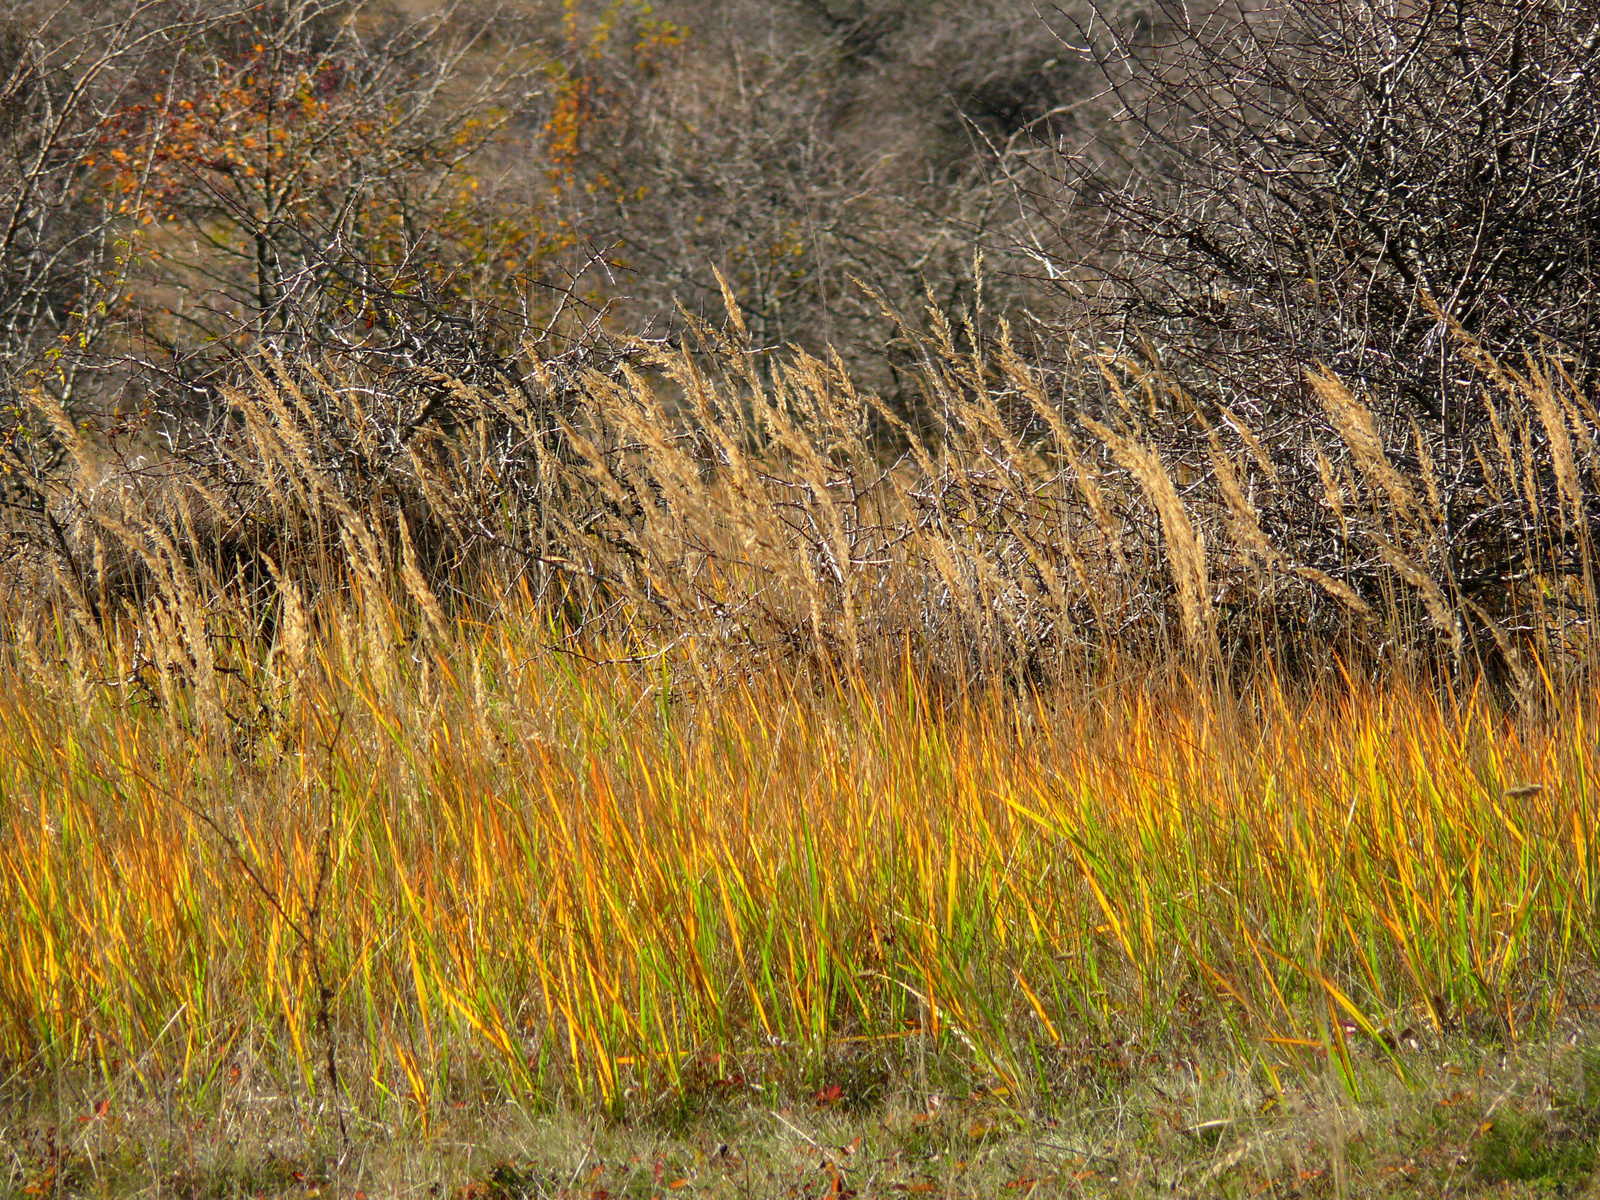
column 190, row 187
column 798, row 148
column 63, row 73
column 1320, row 232
column 1305, row 174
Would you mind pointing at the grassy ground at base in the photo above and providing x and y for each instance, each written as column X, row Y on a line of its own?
column 1478, row 1120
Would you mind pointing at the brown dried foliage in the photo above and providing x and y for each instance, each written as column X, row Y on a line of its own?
column 778, row 513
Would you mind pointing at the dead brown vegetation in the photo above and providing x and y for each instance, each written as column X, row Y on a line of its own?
column 369, row 405
column 772, row 509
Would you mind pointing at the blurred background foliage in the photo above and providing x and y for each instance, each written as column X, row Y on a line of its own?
column 182, row 179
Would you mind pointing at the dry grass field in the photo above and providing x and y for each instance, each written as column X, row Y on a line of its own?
column 793, row 599
column 716, row 848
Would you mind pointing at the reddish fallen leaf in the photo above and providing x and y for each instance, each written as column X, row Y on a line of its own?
column 829, row 1094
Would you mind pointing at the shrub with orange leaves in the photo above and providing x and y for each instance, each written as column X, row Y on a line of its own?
column 586, row 92
column 290, row 170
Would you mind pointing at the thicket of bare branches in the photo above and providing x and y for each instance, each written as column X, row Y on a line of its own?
column 190, row 190
column 357, row 291
column 798, row 148
column 1292, row 183
column 185, row 181
column 1393, row 194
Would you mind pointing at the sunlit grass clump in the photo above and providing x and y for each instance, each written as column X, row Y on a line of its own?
column 472, row 862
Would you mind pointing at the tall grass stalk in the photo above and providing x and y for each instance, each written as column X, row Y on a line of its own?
column 573, row 883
